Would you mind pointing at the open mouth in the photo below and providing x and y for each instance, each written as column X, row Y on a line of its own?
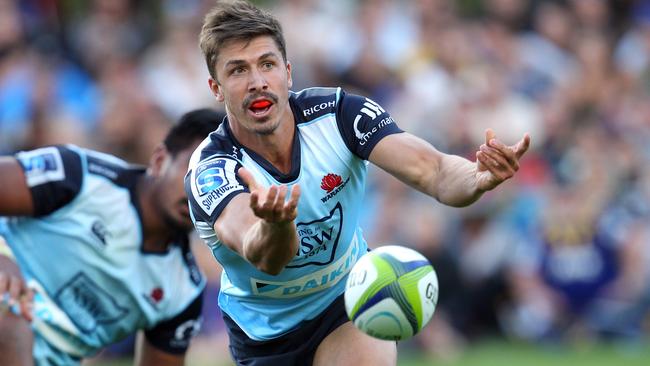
column 260, row 107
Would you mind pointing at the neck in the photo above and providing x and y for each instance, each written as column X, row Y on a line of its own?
column 157, row 234
column 275, row 147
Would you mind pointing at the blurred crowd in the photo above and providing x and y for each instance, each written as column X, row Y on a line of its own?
column 559, row 253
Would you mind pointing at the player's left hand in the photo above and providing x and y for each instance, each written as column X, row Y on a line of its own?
column 497, row 162
column 15, row 296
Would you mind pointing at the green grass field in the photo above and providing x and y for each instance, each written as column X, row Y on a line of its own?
column 500, row 353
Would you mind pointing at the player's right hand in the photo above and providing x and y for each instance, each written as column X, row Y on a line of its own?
column 269, row 204
column 15, row 296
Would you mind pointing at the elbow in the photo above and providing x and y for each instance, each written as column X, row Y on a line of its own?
column 269, row 269
column 269, row 266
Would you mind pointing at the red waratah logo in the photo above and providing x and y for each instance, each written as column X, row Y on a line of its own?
column 156, row 295
column 330, row 182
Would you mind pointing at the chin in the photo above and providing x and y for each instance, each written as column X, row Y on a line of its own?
column 267, row 128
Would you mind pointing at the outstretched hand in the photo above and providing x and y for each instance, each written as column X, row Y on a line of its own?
column 497, row 162
column 269, row 203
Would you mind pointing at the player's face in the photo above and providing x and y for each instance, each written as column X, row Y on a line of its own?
column 171, row 198
column 253, row 80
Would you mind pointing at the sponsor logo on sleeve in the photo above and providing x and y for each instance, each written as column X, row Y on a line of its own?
column 213, row 181
column 42, row 165
column 372, row 110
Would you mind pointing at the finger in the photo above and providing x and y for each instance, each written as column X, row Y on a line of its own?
column 27, row 304
column 291, row 206
column 282, row 194
column 511, row 165
column 522, row 146
column 278, row 205
column 507, row 151
column 254, row 202
column 491, row 166
column 269, row 201
column 247, row 177
column 15, row 289
column 489, row 135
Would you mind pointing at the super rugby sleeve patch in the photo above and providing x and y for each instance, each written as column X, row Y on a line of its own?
column 363, row 123
column 211, row 185
column 53, row 175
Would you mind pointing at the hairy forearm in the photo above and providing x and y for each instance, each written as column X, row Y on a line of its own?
column 456, row 183
column 270, row 246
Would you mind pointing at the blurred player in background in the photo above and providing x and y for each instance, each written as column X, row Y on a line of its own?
column 277, row 193
column 93, row 249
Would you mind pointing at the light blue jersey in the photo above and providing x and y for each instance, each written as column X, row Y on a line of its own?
column 83, row 256
column 334, row 137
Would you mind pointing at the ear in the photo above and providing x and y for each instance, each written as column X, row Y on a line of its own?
column 157, row 160
column 216, row 89
column 289, row 79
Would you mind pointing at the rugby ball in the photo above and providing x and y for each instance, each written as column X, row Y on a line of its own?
column 391, row 293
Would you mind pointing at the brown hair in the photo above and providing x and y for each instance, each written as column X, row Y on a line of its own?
column 236, row 21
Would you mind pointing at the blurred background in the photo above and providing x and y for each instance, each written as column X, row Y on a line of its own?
column 551, row 268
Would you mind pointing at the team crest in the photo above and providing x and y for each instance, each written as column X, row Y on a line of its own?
column 318, row 239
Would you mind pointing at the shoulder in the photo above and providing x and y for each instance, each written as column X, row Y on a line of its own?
column 312, row 103
column 218, row 143
column 117, row 171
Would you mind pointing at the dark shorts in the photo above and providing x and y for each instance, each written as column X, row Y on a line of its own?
column 294, row 348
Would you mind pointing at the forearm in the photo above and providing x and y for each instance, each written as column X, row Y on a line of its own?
column 270, row 246
column 456, row 183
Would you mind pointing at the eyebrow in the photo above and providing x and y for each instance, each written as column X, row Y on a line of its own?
column 242, row 62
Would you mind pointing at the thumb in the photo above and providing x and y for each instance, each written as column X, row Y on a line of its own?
column 248, row 178
column 522, row 146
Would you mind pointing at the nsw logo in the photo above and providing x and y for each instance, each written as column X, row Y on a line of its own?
column 318, row 239
column 210, row 176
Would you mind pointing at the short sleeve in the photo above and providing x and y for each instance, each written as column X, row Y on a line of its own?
column 363, row 123
column 174, row 335
column 53, row 175
column 211, row 185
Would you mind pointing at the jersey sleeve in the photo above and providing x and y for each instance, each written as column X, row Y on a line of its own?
column 174, row 335
column 363, row 123
column 211, row 185
column 53, row 175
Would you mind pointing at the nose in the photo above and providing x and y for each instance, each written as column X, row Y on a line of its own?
column 257, row 81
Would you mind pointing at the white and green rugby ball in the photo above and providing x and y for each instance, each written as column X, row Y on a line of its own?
column 391, row 293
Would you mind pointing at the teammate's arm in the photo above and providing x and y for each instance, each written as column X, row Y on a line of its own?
column 148, row 355
column 451, row 179
column 15, row 197
column 260, row 225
